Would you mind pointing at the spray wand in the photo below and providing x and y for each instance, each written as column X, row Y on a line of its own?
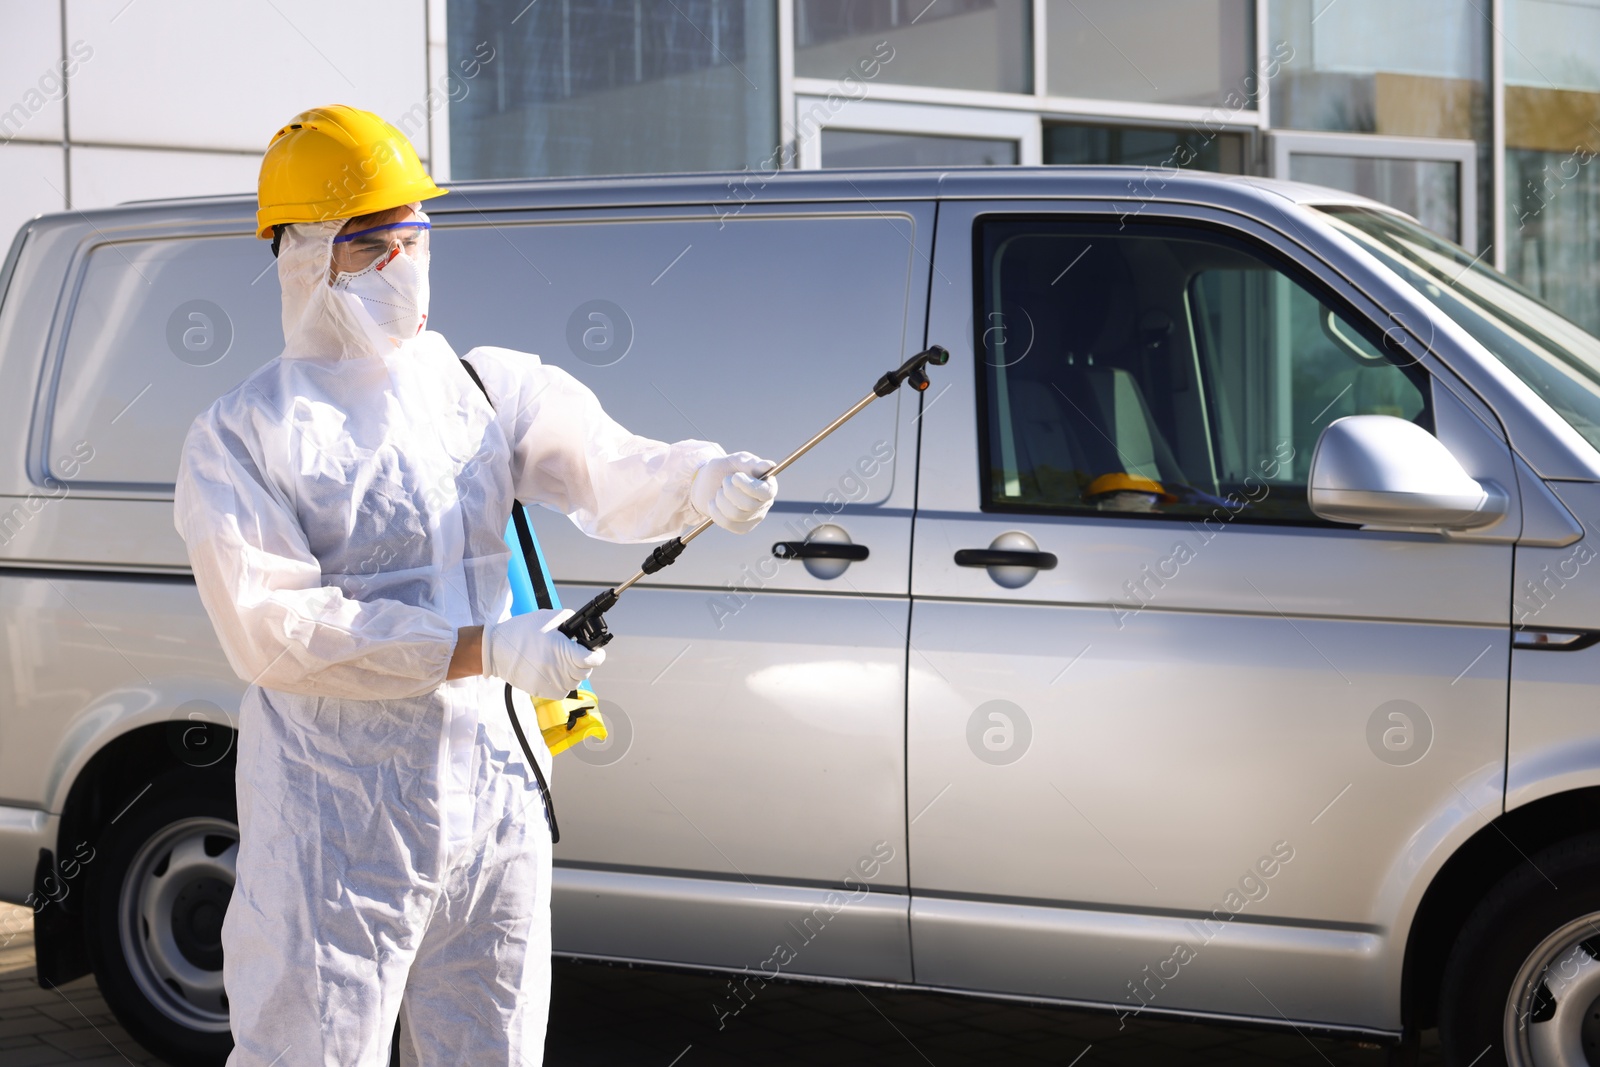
column 588, row 624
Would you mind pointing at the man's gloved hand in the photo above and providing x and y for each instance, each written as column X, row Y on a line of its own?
column 530, row 653
column 727, row 491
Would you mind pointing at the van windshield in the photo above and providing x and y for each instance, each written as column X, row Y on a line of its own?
column 1557, row 358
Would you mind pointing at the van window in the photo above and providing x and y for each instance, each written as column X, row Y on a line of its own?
column 750, row 331
column 1554, row 356
column 1150, row 370
column 159, row 330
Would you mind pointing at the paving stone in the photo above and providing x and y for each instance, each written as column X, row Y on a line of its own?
column 7, row 1012
column 29, row 996
column 28, row 1024
column 92, row 1039
column 68, row 1012
column 38, row 1056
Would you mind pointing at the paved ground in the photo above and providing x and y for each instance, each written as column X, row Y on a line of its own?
column 68, row 1025
column 605, row 1015
column 655, row 1016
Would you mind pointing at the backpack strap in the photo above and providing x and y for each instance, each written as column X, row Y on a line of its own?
column 534, row 561
column 532, row 558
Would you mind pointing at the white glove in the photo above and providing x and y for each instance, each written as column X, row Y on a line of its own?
column 530, row 653
column 725, row 491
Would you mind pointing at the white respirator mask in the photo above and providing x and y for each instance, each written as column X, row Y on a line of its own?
column 393, row 286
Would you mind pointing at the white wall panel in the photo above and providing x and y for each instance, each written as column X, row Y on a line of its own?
column 30, row 70
column 201, row 74
column 102, row 177
column 32, row 182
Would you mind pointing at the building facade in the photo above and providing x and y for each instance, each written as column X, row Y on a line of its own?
column 1480, row 117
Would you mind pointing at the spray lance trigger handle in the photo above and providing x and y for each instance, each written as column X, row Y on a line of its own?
column 913, row 370
column 588, row 624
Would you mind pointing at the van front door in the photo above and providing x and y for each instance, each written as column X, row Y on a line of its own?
column 1173, row 742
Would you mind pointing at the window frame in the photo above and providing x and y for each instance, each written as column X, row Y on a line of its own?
column 52, row 366
column 876, row 116
column 1285, row 144
column 1297, row 272
column 1037, row 99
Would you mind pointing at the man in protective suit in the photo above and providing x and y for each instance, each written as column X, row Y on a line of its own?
column 344, row 510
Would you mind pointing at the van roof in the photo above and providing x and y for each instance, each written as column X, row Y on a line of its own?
column 1121, row 185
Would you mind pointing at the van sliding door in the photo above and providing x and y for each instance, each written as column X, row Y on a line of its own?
column 756, row 707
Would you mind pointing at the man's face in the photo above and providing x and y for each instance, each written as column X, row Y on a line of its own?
column 360, row 241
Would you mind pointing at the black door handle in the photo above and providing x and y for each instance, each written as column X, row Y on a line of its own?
column 1005, row 557
column 819, row 550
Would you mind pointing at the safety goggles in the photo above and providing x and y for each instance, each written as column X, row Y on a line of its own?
column 355, row 252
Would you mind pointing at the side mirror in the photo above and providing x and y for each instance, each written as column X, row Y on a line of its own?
column 1377, row 470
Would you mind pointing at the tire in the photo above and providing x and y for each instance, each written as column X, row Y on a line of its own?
column 1522, row 984
column 154, row 901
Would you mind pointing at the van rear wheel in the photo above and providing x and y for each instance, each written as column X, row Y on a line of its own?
column 1522, row 985
column 154, row 918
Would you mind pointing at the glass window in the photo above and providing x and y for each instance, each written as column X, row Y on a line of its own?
column 1355, row 66
column 951, row 44
column 859, row 148
column 1553, row 224
column 1198, row 52
column 1148, row 369
column 662, row 318
column 605, row 87
column 159, row 330
column 1135, row 146
column 1428, row 189
column 1552, row 136
column 1553, row 355
column 1550, row 44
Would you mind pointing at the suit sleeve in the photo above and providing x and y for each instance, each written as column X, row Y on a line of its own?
column 570, row 456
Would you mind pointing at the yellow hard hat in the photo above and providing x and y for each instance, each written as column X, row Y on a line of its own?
column 1120, row 481
column 336, row 163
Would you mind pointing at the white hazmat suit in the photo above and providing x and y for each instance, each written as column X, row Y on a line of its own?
column 344, row 510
